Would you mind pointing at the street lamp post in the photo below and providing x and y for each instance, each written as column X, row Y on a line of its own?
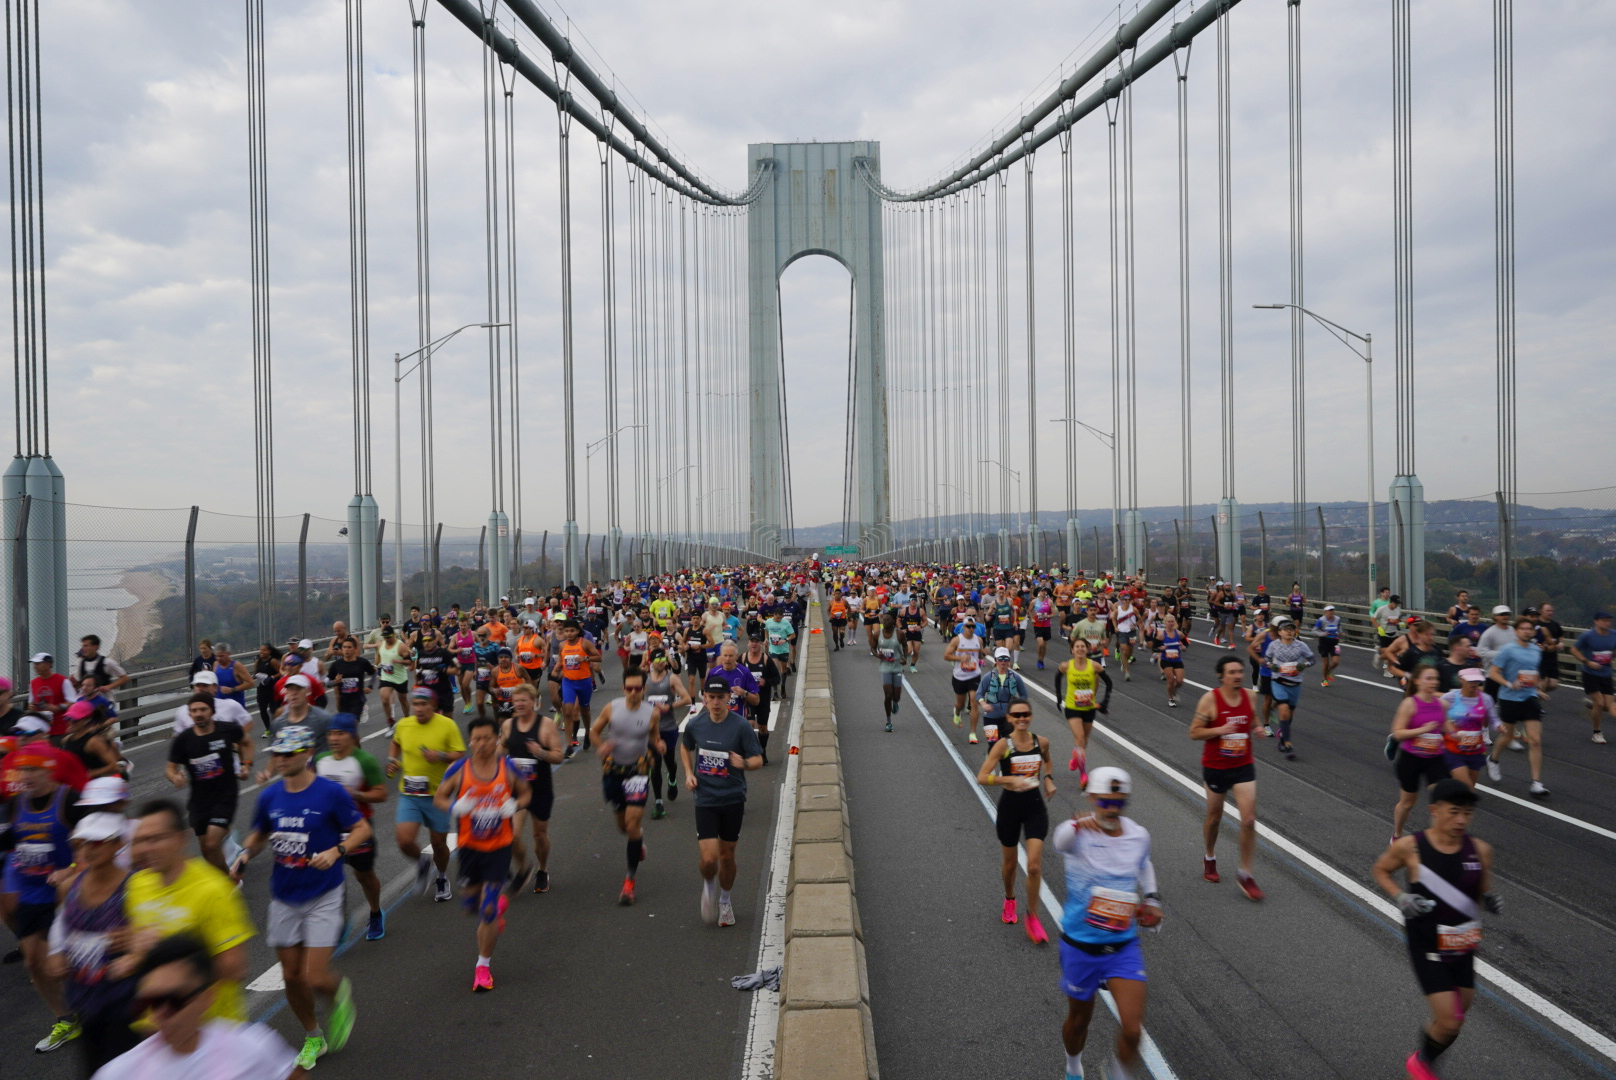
column 399, row 375
column 1341, row 334
column 1004, row 529
column 614, row 562
column 1109, row 441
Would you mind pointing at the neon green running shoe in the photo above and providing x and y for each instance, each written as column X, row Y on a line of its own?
column 61, row 1033
column 314, row 1048
column 342, row 1015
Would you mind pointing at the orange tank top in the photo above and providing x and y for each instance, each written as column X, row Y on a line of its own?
column 485, row 828
column 529, row 649
column 505, row 682
column 575, row 661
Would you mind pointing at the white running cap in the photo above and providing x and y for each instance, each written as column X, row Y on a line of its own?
column 1109, row 780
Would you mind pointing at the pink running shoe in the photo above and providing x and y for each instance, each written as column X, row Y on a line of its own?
column 1035, row 930
column 1076, row 757
column 483, row 981
column 1009, row 915
column 1418, row 1069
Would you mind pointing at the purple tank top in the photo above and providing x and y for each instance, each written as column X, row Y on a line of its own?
column 89, row 989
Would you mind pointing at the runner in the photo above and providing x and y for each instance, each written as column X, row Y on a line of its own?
column 1020, row 764
column 1110, row 887
column 1127, row 622
column 1043, row 616
column 623, row 735
column 1287, row 659
column 363, row 779
column 1470, row 715
column 1077, row 682
column 1223, row 722
column 578, row 660
column 424, row 745
column 212, row 757
column 964, row 651
column 1296, row 603
column 305, row 818
column 768, row 678
column 913, row 621
column 1328, row 628
column 1514, row 670
column 889, row 651
column 717, row 750
column 1418, row 726
column 1549, row 636
column 666, row 692
column 463, row 644
column 838, row 618
column 1447, row 871
column 483, row 793
column 39, row 837
column 1388, row 620
column 994, row 693
column 782, row 637
column 1173, row 647
column 1593, row 650
column 394, row 661
column 435, row 670
column 533, row 747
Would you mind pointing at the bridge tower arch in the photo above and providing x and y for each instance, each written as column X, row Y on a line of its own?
column 817, row 204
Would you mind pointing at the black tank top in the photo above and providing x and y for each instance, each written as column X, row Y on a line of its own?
column 534, row 770
column 1022, row 763
column 1461, row 869
column 75, row 745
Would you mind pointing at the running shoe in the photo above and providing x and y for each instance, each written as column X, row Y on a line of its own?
column 1172, row 703
column 1287, row 749
column 659, row 811
column 541, row 881
column 1040, row 665
column 482, row 980
column 61, row 1033
column 1015, row 667
column 1248, row 885
column 341, row 1020
column 1327, row 681
column 973, row 738
column 1516, row 744
column 709, row 903
column 726, row 913
column 1599, row 737
column 956, row 719
column 1127, row 676
column 1494, row 773
column 1008, row 915
column 1418, row 1069
column 889, row 725
column 445, row 891
column 673, row 788
column 1035, row 930
column 1538, row 789
column 314, row 1049
column 1072, row 766
column 626, row 897
column 378, row 927
column 423, row 873
column 466, row 711
column 1209, row 870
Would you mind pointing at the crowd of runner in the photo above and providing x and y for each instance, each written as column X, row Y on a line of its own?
column 123, row 933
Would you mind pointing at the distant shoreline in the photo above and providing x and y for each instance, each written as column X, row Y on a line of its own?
column 139, row 622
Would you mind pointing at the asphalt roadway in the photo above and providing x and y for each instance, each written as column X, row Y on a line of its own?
column 1313, row 982
column 583, row 987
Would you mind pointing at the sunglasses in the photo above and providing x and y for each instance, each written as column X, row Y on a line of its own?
column 1111, row 804
column 1020, row 715
column 166, row 1003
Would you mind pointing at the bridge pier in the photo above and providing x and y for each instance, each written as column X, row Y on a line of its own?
column 1407, row 498
column 1229, row 539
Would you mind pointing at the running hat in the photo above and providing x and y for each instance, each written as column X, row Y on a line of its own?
column 502, row 651
column 1452, row 791
column 5, row 683
column 42, row 658
column 80, row 709
column 289, row 658
column 293, row 740
column 1597, row 616
column 715, row 685
column 503, row 599
column 343, row 721
column 1109, row 780
column 305, row 644
column 421, row 693
column 104, row 791
column 204, row 678
column 98, row 827
column 1501, row 609
column 1471, row 674
column 300, row 680
column 1001, row 654
column 1329, row 607
column 31, row 725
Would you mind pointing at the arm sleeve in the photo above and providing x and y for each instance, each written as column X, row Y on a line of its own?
column 1065, row 840
column 1147, row 874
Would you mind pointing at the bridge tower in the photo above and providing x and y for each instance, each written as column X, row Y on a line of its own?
column 817, row 204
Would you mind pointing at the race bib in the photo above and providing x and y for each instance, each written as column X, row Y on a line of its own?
column 206, row 767
column 572, row 663
column 1527, row 679
column 1468, row 742
column 887, row 655
column 527, row 768
column 483, row 673
column 485, row 819
column 387, row 669
column 1111, row 909
column 1171, row 652
column 1024, row 766
column 429, row 675
column 1431, row 742
column 777, row 639
column 466, row 656
column 290, row 848
column 1600, row 659
column 1234, row 744
column 349, row 686
column 32, row 857
column 968, row 665
column 659, row 699
column 1289, row 670
column 1082, row 699
column 991, row 731
column 712, row 763
column 525, row 658
column 417, row 785
column 1466, row 937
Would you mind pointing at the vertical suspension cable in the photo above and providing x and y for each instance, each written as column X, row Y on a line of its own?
column 423, row 300
column 1002, row 327
column 1293, row 25
column 358, row 247
column 568, row 430
column 492, row 212
column 1113, row 108
column 1033, row 555
column 608, row 292
column 1068, row 338
column 1504, row 286
column 263, row 403
column 1226, row 265
column 1186, row 461
column 513, row 403
column 1127, row 449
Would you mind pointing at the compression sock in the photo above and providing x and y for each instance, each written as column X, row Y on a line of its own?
column 723, row 896
column 763, row 740
column 656, row 783
column 1285, row 730
column 1074, row 1065
column 1430, row 1049
column 636, row 852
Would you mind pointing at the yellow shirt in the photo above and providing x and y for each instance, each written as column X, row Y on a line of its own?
column 417, row 775
column 202, row 901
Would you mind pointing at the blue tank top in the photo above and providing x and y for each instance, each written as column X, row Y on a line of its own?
column 227, row 678
column 1172, row 647
column 42, row 848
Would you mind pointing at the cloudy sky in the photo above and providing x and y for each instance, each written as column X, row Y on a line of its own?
column 147, row 239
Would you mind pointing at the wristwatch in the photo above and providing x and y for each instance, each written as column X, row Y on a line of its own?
column 342, row 849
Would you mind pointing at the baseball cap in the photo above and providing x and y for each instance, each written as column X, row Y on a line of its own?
column 204, row 678
column 1452, row 791
column 41, row 658
column 300, row 680
column 1329, row 607
column 1501, row 609
column 715, row 685
column 293, row 740
column 344, row 722
column 1001, row 654
column 6, row 684
column 80, row 709
column 1597, row 615
column 1471, row 674
column 104, row 791
column 305, row 644
column 292, row 658
column 1109, row 780
column 98, row 827
column 503, row 599
column 31, row 725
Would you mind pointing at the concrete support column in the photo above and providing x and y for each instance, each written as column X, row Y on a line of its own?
column 1229, row 539
column 1407, row 498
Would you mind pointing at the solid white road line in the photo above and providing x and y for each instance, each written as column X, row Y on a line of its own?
column 1526, row 996
column 1149, row 1052
column 765, row 1020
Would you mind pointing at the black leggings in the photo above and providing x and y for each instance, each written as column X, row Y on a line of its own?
column 670, row 760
